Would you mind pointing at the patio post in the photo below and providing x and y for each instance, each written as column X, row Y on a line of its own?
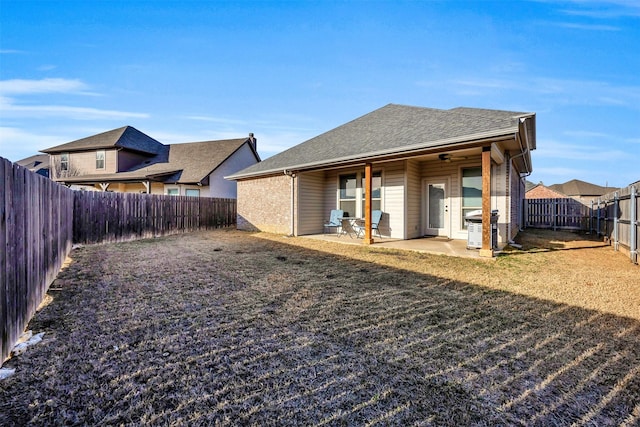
column 367, row 203
column 487, row 246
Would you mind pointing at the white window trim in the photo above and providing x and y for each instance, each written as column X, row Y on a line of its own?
column 359, row 200
column 104, row 159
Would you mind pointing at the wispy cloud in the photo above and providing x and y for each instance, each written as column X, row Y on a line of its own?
column 77, row 113
column 15, row 142
column 219, row 120
column 53, row 85
column 587, row 27
column 9, row 89
column 605, row 9
column 561, row 91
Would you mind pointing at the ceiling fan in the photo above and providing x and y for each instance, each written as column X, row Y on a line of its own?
column 446, row 157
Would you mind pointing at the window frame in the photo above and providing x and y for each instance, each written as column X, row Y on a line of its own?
column 171, row 190
column 190, row 190
column 463, row 208
column 359, row 199
column 103, row 159
column 64, row 162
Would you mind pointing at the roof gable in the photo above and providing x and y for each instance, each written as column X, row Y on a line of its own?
column 126, row 137
column 388, row 130
column 192, row 162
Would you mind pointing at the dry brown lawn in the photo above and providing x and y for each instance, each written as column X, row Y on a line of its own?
column 233, row 328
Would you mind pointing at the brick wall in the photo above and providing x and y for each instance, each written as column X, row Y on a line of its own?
column 264, row 204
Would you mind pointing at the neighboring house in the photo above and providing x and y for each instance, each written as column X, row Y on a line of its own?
column 540, row 191
column 38, row 164
column 427, row 168
column 582, row 191
column 126, row 160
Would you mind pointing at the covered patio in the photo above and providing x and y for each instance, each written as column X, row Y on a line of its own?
column 431, row 244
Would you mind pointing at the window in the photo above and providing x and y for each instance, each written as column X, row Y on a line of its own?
column 173, row 192
column 352, row 198
column 100, row 159
column 347, row 203
column 192, row 192
column 471, row 191
column 64, row 161
column 376, row 192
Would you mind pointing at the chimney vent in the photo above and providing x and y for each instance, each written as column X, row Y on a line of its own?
column 253, row 141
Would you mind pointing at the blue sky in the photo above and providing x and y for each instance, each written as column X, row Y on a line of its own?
column 200, row 70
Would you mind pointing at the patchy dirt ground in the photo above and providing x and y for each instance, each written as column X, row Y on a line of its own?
column 230, row 328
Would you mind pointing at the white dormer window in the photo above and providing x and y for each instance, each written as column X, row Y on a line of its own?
column 100, row 159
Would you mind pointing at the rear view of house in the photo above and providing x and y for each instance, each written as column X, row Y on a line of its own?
column 425, row 168
column 127, row 160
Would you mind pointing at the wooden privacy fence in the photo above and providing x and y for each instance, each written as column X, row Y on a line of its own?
column 40, row 219
column 556, row 214
column 115, row 217
column 614, row 216
column 35, row 238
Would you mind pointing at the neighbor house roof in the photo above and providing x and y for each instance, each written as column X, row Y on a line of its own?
column 540, row 191
column 196, row 160
column 38, row 163
column 125, row 137
column 185, row 163
column 575, row 187
column 393, row 130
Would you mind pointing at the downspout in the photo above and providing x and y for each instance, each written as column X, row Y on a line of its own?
column 523, row 176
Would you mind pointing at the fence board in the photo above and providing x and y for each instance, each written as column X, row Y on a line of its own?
column 115, row 217
column 34, row 243
column 39, row 220
column 615, row 218
column 561, row 213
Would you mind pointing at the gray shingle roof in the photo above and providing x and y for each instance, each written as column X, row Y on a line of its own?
column 125, row 137
column 576, row 187
column 186, row 163
column 197, row 159
column 392, row 129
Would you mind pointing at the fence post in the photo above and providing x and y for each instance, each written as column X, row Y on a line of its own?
column 598, row 220
column 633, row 253
column 615, row 221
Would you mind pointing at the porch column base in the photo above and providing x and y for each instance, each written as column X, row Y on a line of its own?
column 486, row 253
column 367, row 241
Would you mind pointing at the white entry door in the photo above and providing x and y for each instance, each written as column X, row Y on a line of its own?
column 436, row 209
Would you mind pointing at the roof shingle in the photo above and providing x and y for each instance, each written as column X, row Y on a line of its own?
column 387, row 130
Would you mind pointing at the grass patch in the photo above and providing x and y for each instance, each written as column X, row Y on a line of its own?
column 230, row 328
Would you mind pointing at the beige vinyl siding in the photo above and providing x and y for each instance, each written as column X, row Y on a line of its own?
column 310, row 193
column 413, row 200
column 329, row 193
column 220, row 187
column 85, row 163
column 516, row 192
column 393, row 198
column 500, row 200
column 452, row 171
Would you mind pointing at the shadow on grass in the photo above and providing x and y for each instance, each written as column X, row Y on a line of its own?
column 235, row 330
column 539, row 241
